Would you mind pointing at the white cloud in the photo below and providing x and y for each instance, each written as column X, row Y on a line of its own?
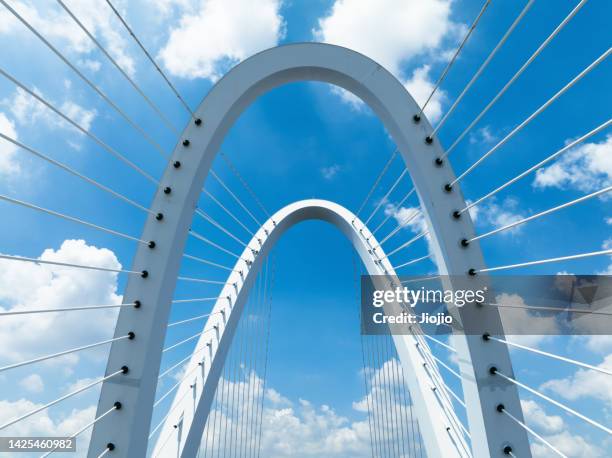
column 302, row 429
column 540, row 327
column 409, row 217
column 219, row 34
column 55, row 25
column 587, row 167
column 32, row 383
column 536, row 416
column 571, row 445
column 608, row 221
column 420, row 86
column 9, row 166
column 556, row 432
column 498, row 214
column 330, row 172
column 29, row 111
column 42, row 424
column 30, row 286
column 413, row 28
column 584, row 384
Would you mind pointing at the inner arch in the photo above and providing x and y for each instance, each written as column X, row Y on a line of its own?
column 219, row 330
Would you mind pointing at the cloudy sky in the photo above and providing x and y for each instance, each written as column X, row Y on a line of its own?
column 299, row 141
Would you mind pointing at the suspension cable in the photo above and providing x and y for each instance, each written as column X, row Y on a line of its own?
column 174, row 366
column 142, row 273
column 535, row 114
column 538, row 165
column 172, row 409
column 399, row 205
column 144, row 50
column 171, row 347
column 414, row 261
column 439, row 342
column 211, row 243
column 545, row 261
column 502, row 409
column 188, row 320
column 66, row 396
column 405, row 245
column 208, row 218
column 129, row 336
column 215, row 200
column 109, row 448
column 452, row 61
column 75, row 220
column 446, row 366
column 386, row 196
column 246, row 186
column 482, row 67
column 552, row 309
column 603, row 370
column 592, row 422
column 98, row 91
column 376, row 182
column 80, row 128
column 77, row 174
column 205, row 261
column 515, row 77
column 155, row 108
column 402, row 224
column 538, row 215
column 116, row 406
column 68, row 309
column 229, row 191
column 201, row 280
column 177, row 384
column 198, row 299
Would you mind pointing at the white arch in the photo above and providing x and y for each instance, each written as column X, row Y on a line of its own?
column 227, row 99
column 193, row 399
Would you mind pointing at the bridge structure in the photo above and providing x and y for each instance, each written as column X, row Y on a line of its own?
column 489, row 398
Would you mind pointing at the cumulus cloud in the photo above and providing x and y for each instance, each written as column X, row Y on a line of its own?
column 557, row 433
column 301, row 429
column 32, row 383
column 420, row 86
column 29, row 111
column 409, row 217
column 541, row 327
column 584, row 384
column 220, row 33
column 9, row 166
column 587, row 167
column 416, row 28
column 26, row 286
column 498, row 214
column 45, row 425
column 536, row 416
column 54, row 24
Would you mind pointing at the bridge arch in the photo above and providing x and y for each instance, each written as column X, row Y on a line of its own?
column 219, row 330
column 184, row 176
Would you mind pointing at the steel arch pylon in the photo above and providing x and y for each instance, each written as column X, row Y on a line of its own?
column 185, row 175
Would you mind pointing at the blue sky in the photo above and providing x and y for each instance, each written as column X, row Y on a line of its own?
column 300, row 141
